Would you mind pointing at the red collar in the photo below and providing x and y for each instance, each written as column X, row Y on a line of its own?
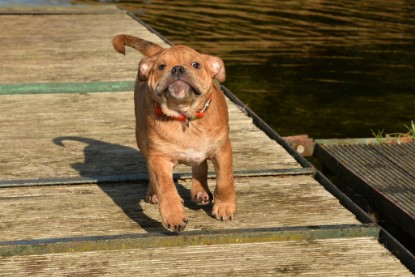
column 182, row 118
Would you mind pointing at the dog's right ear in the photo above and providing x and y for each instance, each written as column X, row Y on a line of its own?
column 144, row 68
column 147, row 48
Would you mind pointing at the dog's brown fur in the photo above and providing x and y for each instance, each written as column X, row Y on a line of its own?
column 181, row 81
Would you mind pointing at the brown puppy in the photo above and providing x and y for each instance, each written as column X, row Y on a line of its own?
column 182, row 117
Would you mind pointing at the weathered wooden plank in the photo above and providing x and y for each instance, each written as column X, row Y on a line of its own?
column 72, row 9
column 139, row 177
column 96, row 210
column 89, row 135
column 67, row 48
column 402, row 155
column 189, row 238
column 329, row 257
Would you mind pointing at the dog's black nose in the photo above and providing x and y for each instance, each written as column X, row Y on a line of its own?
column 178, row 70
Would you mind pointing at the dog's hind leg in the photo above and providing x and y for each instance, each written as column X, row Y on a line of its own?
column 151, row 194
column 200, row 192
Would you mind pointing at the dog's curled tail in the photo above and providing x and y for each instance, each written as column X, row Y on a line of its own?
column 147, row 48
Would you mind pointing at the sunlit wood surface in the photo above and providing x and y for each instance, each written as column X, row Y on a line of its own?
column 287, row 223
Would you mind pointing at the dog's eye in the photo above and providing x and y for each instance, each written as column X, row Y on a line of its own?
column 162, row 67
column 196, row 65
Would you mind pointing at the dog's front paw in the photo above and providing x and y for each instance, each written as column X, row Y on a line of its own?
column 173, row 216
column 224, row 210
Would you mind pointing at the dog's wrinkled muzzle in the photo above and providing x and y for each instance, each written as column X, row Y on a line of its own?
column 179, row 89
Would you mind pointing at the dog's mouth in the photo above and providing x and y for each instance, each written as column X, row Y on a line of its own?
column 181, row 90
column 177, row 95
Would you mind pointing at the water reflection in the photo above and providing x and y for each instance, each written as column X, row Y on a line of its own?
column 325, row 68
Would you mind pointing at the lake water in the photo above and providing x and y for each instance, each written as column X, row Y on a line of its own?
column 323, row 68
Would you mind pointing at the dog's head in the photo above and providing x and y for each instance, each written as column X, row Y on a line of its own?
column 179, row 78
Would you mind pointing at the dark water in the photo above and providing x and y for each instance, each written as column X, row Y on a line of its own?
column 324, row 68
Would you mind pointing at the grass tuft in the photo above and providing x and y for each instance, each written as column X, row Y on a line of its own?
column 409, row 136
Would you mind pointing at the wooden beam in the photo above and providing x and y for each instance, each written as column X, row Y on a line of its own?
column 129, row 241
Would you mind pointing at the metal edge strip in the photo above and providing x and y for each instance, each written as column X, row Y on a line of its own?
column 394, row 246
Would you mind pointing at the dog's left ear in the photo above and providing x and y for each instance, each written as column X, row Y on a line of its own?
column 217, row 67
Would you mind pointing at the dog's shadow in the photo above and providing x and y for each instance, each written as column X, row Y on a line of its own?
column 103, row 159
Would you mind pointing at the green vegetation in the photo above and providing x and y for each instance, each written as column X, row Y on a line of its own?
column 409, row 136
column 411, row 129
column 378, row 135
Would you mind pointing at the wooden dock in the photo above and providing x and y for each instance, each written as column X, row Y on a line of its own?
column 72, row 183
column 384, row 174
